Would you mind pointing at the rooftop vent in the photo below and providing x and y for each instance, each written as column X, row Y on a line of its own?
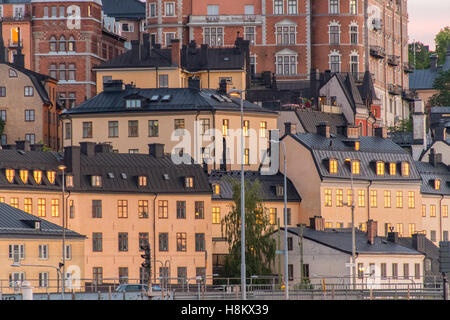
column 166, row 176
column 110, row 175
column 123, row 175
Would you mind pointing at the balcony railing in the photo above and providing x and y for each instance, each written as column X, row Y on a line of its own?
column 409, row 95
column 14, row 44
column 393, row 60
column 377, row 52
column 226, row 19
column 395, row 89
column 408, row 67
column 16, row 17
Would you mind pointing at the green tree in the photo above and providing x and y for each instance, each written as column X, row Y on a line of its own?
column 419, row 54
column 442, row 41
column 259, row 245
column 442, row 84
column 405, row 125
column 2, row 126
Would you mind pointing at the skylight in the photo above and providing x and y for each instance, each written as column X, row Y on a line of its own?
column 154, row 98
column 166, row 97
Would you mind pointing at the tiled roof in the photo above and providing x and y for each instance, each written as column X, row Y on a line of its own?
column 181, row 99
column 372, row 149
column 268, row 185
column 124, row 9
column 341, row 239
column 16, row 223
column 430, row 173
column 310, row 119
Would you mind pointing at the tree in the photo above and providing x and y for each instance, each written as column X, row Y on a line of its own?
column 442, row 41
column 442, row 84
column 419, row 54
column 2, row 126
column 259, row 245
column 404, row 125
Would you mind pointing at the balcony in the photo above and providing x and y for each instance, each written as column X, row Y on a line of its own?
column 395, row 89
column 393, row 60
column 408, row 67
column 377, row 52
column 225, row 20
column 409, row 95
column 17, row 17
column 14, row 44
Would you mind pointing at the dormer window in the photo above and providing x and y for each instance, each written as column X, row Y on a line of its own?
column 142, row 181
column 405, row 169
column 392, row 169
column 51, row 176
column 356, row 145
column 333, row 166
column 10, row 175
column 69, row 181
column 189, row 182
column 437, row 184
column 12, row 73
column 133, row 103
column 37, row 175
column 96, row 181
column 216, row 189
column 24, row 176
column 280, row 191
column 356, row 167
column 380, row 168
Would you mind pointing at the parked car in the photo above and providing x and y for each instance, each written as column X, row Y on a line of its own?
column 135, row 288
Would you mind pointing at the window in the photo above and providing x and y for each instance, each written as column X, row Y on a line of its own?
column 354, row 34
column 71, row 45
column 71, row 209
column 179, row 127
column 200, row 242
column 163, row 209
column 51, row 176
column 387, row 199
column 286, row 34
column 353, row 7
column 433, row 210
column 28, row 91
column 437, row 184
column 71, row 72
column 122, row 207
column 181, row 209
column 28, row 205
column 411, row 229
column 3, row 92
column 405, row 169
column 143, row 240
column 123, row 241
column 143, row 208
column 424, row 210
column 333, row 166
column 400, row 229
column 87, row 129
column 30, row 137
column 29, row 115
column 406, row 271
column 249, row 34
column 333, row 6
column 433, row 235
column 354, row 68
column 383, row 271
column 41, row 207
column 334, row 34
column 213, row 36
column 97, row 242
column 216, row 215
column 288, row 214
column 225, row 127
column 97, row 275
column 411, row 200
column 163, row 241
column 335, row 62
column 399, row 199
column 152, row 10
column 113, row 129
column 123, row 275
column 292, row 7
column 133, row 103
column 68, row 252
column 153, row 128
column 55, row 207
column 43, row 279
column 263, row 129
column 394, row 271
column 273, row 216
column 278, row 7
column 355, row 167
column 417, row 271
column 10, row 174
column 246, row 126
column 392, row 169
column 62, row 44
column 181, row 241
column 43, row 251
column 339, row 197
column 199, row 210
column 328, row 198
column 373, row 198
column 444, row 211
column 380, row 168
column 169, row 9
column 14, row 202
column 23, row 176
column 16, row 252
column 96, row 208
column 205, row 126
column 133, row 129
column 163, row 80
column 246, row 156
column 189, row 182
column 361, row 198
column 216, row 188
column 96, row 181
column 360, row 270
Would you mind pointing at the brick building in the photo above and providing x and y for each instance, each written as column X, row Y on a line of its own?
column 289, row 38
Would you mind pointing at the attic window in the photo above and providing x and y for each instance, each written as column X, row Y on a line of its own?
column 333, row 166
column 392, row 168
column 189, row 182
column 216, row 188
column 142, row 181
column 380, row 168
column 280, row 191
column 166, row 176
column 24, row 176
column 96, row 181
column 110, row 175
column 356, row 145
column 69, row 181
column 166, row 98
column 356, row 167
column 37, row 175
column 437, row 184
column 10, row 175
column 123, row 175
column 51, row 176
column 405, row 169
column 37, row 225
column 133, row 103
column 154, row 98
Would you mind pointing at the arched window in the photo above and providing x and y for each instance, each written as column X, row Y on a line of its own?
column 71, row 44
column 62, row 43
column 52, row 44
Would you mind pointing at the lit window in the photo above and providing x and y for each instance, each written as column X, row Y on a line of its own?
column 356, row 145
column 55, row 207
column 373, row 198
column 433, row 210
column 392, row 169
column 96, row 181
column 400, row 229
column 245, row 128
column 350, row 196
column 339, row 197
column 37, row 174
column 405, row 169
column 361, row 198
column 411, row 199
column 333, row 166
column 28, row 205
column 424, row 210
column 14, row 202
column 437, row 184
column 273, row 216
column 216, row 189
column 445, row 211
column 10, row 175
column 69, row 181
column 189, row 182
column 42, row 207
column 387, row 199
column 411, row 229
column 142, row 181
column 263, row 129
column 328, row 200
column 355, row 167
column 247, row 156
column 24, row 176
column 216, row 215
column 399, row 199
column 225, row 126
column 51, row 176
column 122, row 208
column 380, row 168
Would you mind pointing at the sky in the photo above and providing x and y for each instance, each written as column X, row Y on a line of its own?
column 426, row 19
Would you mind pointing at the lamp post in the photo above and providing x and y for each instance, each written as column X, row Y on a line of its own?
column 353, row 223
column 238, row 93
column 62, row 168
column 286, row 276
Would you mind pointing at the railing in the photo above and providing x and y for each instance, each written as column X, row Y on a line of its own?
column 409, row 95
column 393, row 60
column 13, row 44
column 408, row 67
column 17, row 17
column 394, row 89
column 225, row 19
column 377, row 51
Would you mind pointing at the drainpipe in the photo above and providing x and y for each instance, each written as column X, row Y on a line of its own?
column 440, row 218
column 214, row 137
column 195, row 153
column 368, row 202
column 154, row 238
column 156, row 77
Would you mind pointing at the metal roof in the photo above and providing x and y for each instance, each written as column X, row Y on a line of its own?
column 124, row 9
column 430, row 173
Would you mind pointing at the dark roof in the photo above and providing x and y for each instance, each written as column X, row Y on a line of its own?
column 124, row 9
column 268, row 185
column 16, row 223
column 424, row 78
column 430, row 250
column 372, row 149
column 133, row 59
column 181, row 99
column 430, row 173
column 350, row 90
column 310, row 119
column 341, row 239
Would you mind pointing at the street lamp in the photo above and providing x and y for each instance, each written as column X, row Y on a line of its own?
column 62, row 168
column 286, row 280
column 238, row 93
column 353, row 222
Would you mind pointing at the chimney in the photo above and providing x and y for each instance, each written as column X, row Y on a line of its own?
column 317, row 223
column 175, row 51
column 440, row 132
column 156, row 150
column 433, row 62
column 418, row 242
column 392, row 237
column 88, row 148
column 372, row 228
column 103, row 148
column 223, row 86
column 352, row 131
column 434, row 158
column 323, row 129
column 204, row 54
column 23, row 145
column 194, row 83
column 72, row 162
column 381, row 132
column 37, row 147
column 289, row 128
column 145, row 53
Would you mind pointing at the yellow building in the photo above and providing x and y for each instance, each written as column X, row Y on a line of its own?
column 153, row 67
column 31, row 250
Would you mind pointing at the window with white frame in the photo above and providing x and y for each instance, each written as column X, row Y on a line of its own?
column 1, row 11
column 169, row 37
column 354, row 34
column 249, row 34
column 335, row 62
column 333, row 7
column 354, row 63
column 286, row 64
column 213, row 10
column 286, row 34
column 43, row 279
column 16, row 252
column 334, row 33
column 152, row 10
column 169, row 9
column 16, row 278
column 278, row 7
column 43, row 251
column 213, row 36
column 249, row 9
column 292, row 7
column 353, row 6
